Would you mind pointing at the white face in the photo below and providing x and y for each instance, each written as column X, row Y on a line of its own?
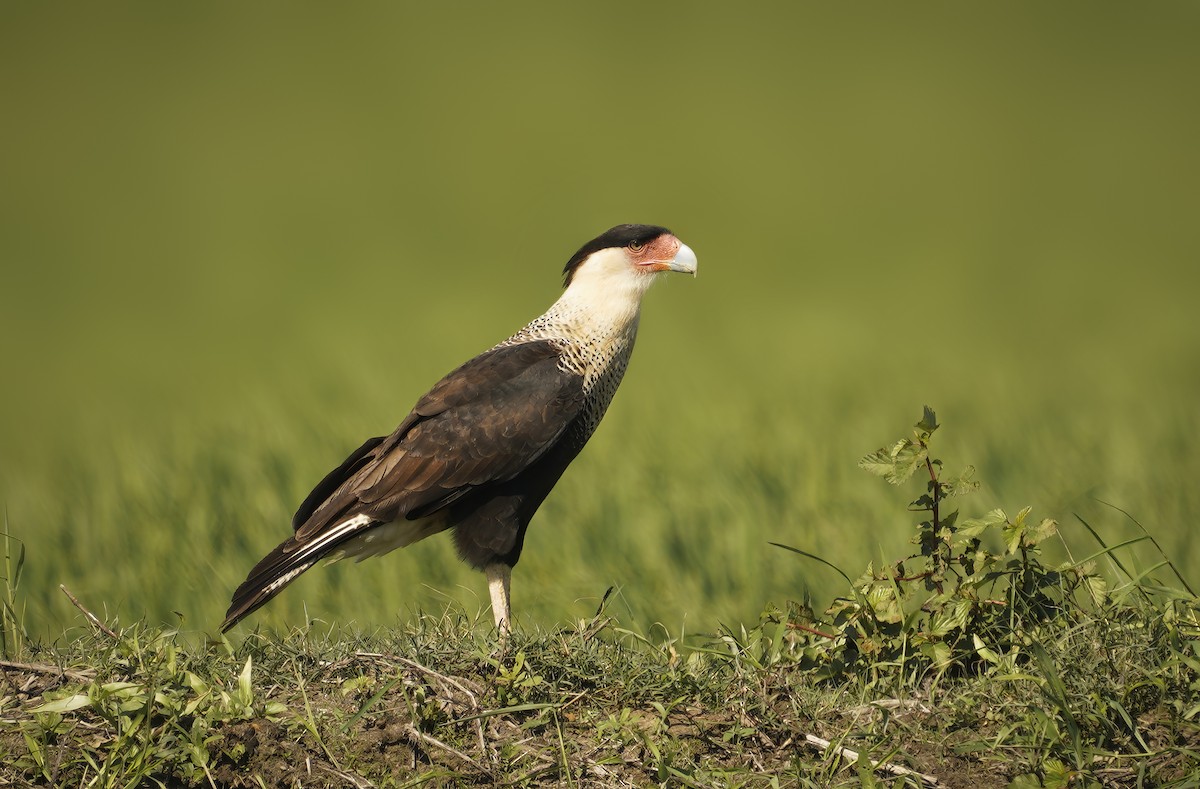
column 625, row 272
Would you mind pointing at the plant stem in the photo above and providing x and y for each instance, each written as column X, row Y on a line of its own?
column 935, row 489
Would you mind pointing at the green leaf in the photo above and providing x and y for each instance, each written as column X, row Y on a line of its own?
column 953, row 616
column 895, row 464
column 195, row 683
column 973, row 527
column 1098, row 588
column 882, row 599
column 245, row 691
column 907, row 461
column 984, row 653
column 928, row 422
column 937, row 651
column 1013, row 532
column 1057, row 775
column 1044, row 530
column 963, row 484
column 879, row 463
column 923, row 503
column 65, row 704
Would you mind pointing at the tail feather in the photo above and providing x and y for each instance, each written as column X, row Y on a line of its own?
column 284, row 564
column 255, row 593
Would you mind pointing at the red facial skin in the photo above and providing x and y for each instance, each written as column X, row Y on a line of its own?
column 655, row 255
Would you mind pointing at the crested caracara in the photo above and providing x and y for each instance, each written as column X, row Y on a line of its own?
column 481, row 450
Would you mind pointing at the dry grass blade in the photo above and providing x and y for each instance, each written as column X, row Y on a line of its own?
column 421, row 737
column 95, row 620
column 40, row 668
column 853, row 756
column 446, row 680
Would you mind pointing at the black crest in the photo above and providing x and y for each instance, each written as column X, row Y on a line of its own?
column 618, row 236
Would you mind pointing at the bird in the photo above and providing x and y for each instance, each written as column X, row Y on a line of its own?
column 482, row 449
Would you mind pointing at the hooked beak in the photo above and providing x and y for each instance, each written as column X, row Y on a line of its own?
column 684, row 261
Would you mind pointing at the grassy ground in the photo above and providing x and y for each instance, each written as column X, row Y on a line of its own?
column 436, row 703
column 1110, row 700
column 957, row 665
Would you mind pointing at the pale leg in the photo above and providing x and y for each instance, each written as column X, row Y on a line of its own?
column 499, row 576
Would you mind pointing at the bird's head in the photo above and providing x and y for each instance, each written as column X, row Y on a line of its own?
column 627, row 258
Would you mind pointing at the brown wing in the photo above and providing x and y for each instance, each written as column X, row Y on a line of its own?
column 334, row 479
column 483, row 423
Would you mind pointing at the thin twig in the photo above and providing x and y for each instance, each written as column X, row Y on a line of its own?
column 596, row 625
column 813, row 630
column 41, row 668
column 449, row 681
column 439, row 675
column 525, row 777
column 95, row 620
column 903, row 705
column 852, row 756
column 428, row 740
column 350, row 779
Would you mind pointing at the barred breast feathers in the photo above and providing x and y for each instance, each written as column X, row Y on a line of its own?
column 596, row 340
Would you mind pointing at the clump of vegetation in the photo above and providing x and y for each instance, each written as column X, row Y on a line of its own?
column 977, row 602
column 954, row 604
column 142, row 706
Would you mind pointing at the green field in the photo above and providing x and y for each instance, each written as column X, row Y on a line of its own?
column 235, row 242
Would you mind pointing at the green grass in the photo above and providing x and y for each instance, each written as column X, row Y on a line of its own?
column 1039, row 675
column 146, row 531
column 673, row 507
column 435, row 702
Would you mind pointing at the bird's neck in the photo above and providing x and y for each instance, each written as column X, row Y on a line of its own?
column 597, row 333
column 587, row 315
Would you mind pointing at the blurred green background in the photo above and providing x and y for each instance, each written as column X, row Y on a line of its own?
column 236, row 240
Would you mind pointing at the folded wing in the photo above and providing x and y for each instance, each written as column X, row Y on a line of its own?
column 482, row 424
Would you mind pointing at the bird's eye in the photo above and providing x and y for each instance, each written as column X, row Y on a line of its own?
column 635, row 246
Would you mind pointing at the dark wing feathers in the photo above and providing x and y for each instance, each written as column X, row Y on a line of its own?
column 358, row 458
column 483, row 423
